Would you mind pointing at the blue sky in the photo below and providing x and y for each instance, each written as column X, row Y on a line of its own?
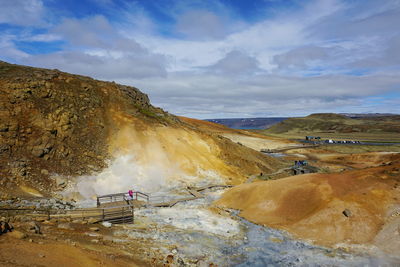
column 220, row 58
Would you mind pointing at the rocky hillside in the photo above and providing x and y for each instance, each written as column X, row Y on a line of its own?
column 336, row 123
column 54, row 124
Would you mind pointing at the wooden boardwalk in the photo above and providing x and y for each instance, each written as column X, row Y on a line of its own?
column 284, row 149
column 121, row 198
column 115, row 214
column 114, row 208
column 193, row 191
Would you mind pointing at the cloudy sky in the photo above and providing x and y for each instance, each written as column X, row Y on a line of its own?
column 220, row 58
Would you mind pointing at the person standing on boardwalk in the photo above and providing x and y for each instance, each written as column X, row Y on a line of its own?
column 130, row 193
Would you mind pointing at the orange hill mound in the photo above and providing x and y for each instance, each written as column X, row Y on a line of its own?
column 312, row 206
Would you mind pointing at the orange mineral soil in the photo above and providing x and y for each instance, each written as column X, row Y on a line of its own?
column 24, row 253
column 353, row 207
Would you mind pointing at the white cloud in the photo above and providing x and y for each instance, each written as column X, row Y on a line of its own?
column 262, row 40
column 8, row 49
column 236, row 63
column 22, row 12
column 301, row 57
column 201, row 24
column 208, row 96
column 387, row 56
column 42, row 38
column 371, row 18
column 96, row 48
column 102, row 66
column 292, row 62
column 91, row 32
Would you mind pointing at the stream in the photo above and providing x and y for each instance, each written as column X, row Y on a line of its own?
column 203, row 237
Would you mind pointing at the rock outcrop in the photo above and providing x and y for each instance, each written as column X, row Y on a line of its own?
column 57, row 123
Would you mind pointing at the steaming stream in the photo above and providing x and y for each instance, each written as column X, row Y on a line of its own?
column 204, row 237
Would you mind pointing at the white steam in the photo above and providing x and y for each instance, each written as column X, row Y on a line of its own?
column 125, row 173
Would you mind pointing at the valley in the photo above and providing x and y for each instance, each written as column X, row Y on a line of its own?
column 68, row 139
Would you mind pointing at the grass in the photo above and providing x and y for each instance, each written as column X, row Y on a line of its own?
column 365, row 137
column 148, row 112
column 361, row 148
column 338, row 127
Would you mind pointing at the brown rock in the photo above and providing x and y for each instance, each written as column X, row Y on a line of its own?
column 347, row 213
column 65, row 226
column 17, row 234
column 92, row 220
column 170, row 259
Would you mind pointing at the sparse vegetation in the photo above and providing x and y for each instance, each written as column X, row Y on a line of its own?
column 334, row 126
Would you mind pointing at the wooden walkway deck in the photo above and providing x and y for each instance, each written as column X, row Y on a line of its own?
column 114, row 208
column 115, row 214
column 284, row 149
column 193, row 191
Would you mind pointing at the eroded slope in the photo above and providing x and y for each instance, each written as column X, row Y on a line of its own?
column 54, row 124
column 313, row 206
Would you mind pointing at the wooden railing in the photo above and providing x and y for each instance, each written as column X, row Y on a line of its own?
column 10, row 212
column 121, row 197
column 144, row 196
column 115, row 214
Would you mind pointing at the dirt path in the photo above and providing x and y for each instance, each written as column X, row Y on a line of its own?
column 258, row 142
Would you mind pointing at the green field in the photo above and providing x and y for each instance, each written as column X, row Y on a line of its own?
column 385, row 129
column 364, row 137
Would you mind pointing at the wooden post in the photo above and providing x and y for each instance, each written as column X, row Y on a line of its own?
column 133, row 214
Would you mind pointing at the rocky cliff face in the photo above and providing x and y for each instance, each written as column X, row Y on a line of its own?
column 57, row 123
column 54, row 124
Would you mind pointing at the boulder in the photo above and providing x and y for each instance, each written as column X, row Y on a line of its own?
column 61, row 181
column 5, row 227
column 170, row 259
column 35, row 227
column 65, row 226
column 347, row 213
column 106, row 224
column 17, row 234
column 92, row 220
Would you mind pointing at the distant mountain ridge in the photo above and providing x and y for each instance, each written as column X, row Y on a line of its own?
column 249, row 123
column 367, row 115
column 339, row 123
column 267, row 122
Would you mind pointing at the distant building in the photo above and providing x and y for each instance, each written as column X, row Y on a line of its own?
column 309, row 138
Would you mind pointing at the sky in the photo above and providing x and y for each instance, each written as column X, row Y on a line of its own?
column 220, row 58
